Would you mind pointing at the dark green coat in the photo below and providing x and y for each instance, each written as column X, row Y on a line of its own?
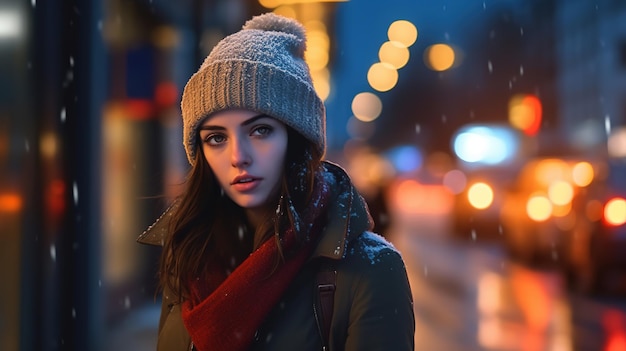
column 373, row 306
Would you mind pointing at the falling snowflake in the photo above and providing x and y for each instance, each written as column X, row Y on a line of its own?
column 241, row 232
column 75, row 193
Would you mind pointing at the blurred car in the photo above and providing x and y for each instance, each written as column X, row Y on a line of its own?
column 488, row 157
column 597, row 262
column 476, row 208
column 557, row 214
column 600, row 266
column 541, row 210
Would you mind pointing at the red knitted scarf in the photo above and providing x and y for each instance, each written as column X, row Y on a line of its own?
column 225, row 312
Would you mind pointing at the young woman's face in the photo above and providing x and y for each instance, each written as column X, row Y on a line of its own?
column 246, row 151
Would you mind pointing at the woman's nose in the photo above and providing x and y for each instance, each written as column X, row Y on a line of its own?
column 240, row 153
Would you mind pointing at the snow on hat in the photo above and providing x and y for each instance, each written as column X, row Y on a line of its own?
column 259, row 68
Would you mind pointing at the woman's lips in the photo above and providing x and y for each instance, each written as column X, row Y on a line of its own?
column 246, row 184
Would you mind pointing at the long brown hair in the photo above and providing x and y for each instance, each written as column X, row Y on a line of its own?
column 207, row 227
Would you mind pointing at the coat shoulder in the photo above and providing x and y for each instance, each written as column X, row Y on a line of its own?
column 374, row 266
column 372, row 249
column 374, row 297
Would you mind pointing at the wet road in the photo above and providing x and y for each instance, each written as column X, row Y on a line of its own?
column 469, row 296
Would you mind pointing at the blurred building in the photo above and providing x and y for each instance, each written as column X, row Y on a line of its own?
column 591, row 48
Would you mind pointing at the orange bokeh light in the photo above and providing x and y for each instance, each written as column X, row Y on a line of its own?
column 10, row 202
column 525, row 113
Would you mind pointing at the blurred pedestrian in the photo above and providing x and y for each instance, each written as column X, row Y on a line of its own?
column 269, row 247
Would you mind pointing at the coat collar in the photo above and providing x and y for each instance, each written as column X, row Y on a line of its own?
column 348, row 216
column 155, row 234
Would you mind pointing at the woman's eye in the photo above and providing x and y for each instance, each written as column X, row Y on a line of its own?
column 214, row 139
column 262, row 130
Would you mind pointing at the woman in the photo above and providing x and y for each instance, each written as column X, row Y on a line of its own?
column 269, row 247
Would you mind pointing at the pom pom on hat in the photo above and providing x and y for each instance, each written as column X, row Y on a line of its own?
column 274, row 23
column 259, row 68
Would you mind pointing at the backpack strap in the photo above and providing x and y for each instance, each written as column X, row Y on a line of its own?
column 326, row 283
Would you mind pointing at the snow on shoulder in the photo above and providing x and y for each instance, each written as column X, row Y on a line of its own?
column 372, row 246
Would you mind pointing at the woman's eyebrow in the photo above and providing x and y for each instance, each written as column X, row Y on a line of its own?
column 253, row 119
column 244, row 123
column 210, row 127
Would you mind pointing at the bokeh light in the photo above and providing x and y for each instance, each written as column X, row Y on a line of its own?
column 394, row 53
column 382, row 76
column 10, row 202
column 406, row 158
column 403, row 32
column 49, row 145
column 560, row 193
column 617, row 143
column 366, row 106
column 439, row 57
column 321, row 82
column 480, row 195
column 285, row 10
column 525, row 113
column 318, row 45
column 455, row 181
column 11, row 25
column 485, row 144
column 539, row 208
column 615, row 211
column 551, row 170
column 582, row 174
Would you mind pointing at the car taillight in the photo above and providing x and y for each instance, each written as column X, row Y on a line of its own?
column 538, row 207
column 615, row 211
column 480, row 195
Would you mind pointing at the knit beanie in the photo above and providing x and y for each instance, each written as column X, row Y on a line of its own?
column 260, row 68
